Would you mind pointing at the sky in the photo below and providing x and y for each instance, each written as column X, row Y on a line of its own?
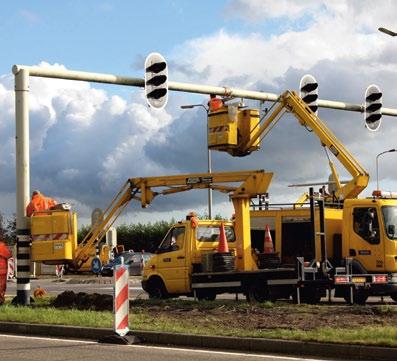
column 86, row 139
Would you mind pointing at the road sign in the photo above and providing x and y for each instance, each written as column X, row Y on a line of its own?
column 96, row 265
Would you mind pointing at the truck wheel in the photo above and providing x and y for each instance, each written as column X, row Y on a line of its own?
column 394, row 297
column 206, row 295
column 257, row 293
column 359, row 298
column 308, row 296
column 157, row 290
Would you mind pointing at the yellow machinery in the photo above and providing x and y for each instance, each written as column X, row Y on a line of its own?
column 54, row 236
column 227, row 126
column 289, row 101
column 346, row 224
column 142, row 189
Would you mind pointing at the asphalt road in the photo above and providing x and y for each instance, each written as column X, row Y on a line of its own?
column 79, row 284
column 104, row 285
column 20, row 348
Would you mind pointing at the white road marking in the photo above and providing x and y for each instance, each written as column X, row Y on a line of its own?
column 174, row 349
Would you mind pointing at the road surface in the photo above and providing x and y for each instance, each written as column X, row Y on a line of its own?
column 23, row 348
column 104, row 285
column 79, row 284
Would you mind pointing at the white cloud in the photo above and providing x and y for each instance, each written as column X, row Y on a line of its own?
column 86, row 143
column 267, row 9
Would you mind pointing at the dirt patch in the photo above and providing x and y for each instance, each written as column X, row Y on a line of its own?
column 84, row 301
column 241, row 315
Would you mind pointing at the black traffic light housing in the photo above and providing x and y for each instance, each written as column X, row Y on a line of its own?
column 156, row 80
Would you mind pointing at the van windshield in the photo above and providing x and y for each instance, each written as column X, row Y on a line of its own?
column 390, row 219
column 211, row 233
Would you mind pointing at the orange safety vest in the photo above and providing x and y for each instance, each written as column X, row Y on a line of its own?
column 215, row 104
column 5, row 254
column 39, row 203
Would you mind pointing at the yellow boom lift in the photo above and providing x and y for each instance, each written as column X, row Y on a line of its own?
column 369, row 241
column 50, row 249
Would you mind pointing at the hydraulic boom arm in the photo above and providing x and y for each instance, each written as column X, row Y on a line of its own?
column 290, row 102
column 253, row 183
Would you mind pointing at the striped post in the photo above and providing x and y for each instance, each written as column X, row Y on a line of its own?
column 121, row 301
column 23, row 269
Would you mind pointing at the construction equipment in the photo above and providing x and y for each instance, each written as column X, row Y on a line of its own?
column 372, row 252
column 54, row 239
column 242, row 136
column 191, row 260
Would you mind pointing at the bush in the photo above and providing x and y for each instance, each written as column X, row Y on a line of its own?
column 137, row 236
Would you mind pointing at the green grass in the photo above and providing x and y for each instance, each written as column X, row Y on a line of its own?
column 144, row 317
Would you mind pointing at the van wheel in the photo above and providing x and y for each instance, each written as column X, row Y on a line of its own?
column 157, row 290
column 257, row 293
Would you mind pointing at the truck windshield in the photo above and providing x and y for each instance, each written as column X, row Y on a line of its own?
column 390, row 220
column 211, row 233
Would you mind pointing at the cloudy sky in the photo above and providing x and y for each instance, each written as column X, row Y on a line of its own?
column 87, row 139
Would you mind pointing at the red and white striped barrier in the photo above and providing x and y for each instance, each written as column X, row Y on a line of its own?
column 11, row 268
column 59, row 270
column 121, row 301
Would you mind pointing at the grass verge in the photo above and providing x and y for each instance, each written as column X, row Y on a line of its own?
column 213, row 318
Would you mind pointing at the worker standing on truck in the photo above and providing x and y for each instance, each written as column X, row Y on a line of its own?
column 39, row 203
column 215, row 103
column 5, row 254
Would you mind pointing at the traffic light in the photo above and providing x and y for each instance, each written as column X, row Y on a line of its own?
column 156, row 80
column 373, row 107
column 308, row 91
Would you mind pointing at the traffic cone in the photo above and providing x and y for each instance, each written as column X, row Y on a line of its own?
column 223, row 247
column 268, row 244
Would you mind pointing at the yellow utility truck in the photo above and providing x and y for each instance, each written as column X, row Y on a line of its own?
column 54, row 233
column 361, row 229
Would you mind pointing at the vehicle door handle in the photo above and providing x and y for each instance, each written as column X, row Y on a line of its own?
column 180, row 257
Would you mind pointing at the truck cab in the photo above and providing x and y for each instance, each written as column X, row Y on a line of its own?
column 370, row 233
column 183, row 251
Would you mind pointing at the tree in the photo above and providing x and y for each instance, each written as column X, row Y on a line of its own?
column 8, row 230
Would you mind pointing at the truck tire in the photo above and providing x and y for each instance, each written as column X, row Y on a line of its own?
column 359, row 298
column 156, row 289
column 257, row 294
column 308, row 296
column 206, row 295
column 394, row 297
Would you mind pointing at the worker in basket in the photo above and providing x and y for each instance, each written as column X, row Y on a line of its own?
column 38, row 203
column 5, row 254
column 215, row 103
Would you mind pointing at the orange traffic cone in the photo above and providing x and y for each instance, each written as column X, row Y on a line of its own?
column 268, row 244
column 223, row 247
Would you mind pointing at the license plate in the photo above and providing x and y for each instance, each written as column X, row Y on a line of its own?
column 359, row 279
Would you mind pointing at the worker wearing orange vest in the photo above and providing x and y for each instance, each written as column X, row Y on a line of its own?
column 215, row 103
column 5, row 254
column 39, row 203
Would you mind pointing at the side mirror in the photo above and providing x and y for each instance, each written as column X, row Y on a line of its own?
column 391, row 230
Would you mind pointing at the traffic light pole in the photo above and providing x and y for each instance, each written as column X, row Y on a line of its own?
column 23, row 185
column 183, row 87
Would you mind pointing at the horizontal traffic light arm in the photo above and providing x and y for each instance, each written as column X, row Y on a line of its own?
column 183, row 87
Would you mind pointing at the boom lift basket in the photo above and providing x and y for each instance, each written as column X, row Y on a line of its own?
column 54, row 236
column 227, row 128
